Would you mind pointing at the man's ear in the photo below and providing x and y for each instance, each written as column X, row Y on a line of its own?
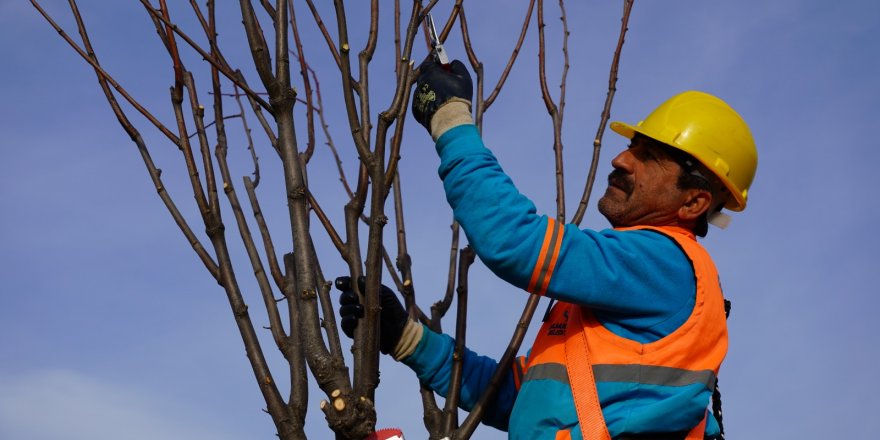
column 696, row 203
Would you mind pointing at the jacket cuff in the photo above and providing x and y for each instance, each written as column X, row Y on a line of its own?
column 453, row 113
column 409, row 340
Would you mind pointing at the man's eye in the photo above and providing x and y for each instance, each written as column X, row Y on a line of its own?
column 644, row 154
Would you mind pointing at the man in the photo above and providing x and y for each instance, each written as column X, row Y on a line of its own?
column 633, row 346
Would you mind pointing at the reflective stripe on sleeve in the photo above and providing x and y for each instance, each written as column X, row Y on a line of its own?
column 543, row 270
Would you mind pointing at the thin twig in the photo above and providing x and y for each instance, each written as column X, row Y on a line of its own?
column 250, row 140
column 307, row 86
column 207, row 57
column 318, row 107
column 404, row 260
column 269, row 248
column 466, row 39
column 155, row 173
column 323, row 28
column 397, row 109
column 103, row 77
column 438, row 310
column 364, row 57
column 513, row 56
column 553, row 110
column 479, row 106
column 328, row 226
column 275, row 324
column 261, row 118
column 606, row 114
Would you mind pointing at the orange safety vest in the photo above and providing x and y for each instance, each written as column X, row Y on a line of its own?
column 691, row 354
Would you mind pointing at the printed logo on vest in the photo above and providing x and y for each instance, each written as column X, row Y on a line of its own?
column 558, row 328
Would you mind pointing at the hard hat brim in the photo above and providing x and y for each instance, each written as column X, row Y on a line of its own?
column 624, row 129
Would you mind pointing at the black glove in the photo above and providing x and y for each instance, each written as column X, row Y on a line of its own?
column 392, row 318
column 438, row 83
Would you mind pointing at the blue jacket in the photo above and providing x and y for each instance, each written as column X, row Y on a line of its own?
column 639, row 284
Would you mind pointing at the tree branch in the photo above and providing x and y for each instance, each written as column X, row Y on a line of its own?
column 451, row 409
column 307, row 86
column 438, row 310
column 104, row 78
column 555, row 116
column 155, row 173
column 207, row 57
column 513, row 55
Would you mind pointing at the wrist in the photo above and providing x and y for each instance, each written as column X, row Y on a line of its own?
column 453, row 113
column 409, row 340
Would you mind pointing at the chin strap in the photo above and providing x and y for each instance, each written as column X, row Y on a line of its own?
column 719, row 219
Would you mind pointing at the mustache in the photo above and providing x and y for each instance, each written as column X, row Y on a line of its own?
column 619, row 178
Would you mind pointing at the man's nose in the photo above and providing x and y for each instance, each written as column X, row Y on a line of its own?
column 623, row 161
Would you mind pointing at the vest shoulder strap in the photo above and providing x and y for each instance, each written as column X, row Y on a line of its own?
column 580, row 377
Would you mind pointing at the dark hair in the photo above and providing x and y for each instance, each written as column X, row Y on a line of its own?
column 687, row 180
column 695, row 175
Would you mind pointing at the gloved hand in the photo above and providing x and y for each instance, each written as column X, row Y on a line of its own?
column 436, row 85
column 392, row 318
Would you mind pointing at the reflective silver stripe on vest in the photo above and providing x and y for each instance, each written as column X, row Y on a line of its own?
column 551, row 371
column 646, row 374
column 653, row 375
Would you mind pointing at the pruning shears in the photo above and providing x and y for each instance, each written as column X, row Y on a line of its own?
column 439, row 52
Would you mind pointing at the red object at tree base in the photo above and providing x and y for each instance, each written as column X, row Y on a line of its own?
column 386, row 434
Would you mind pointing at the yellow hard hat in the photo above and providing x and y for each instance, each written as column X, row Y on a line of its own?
column 708, row 129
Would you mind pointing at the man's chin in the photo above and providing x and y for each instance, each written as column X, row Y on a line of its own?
column 605, row 207
column 611, row 210
column 613, row 196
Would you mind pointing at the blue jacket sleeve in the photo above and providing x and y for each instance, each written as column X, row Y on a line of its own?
column 432, row 363
column 638, row 279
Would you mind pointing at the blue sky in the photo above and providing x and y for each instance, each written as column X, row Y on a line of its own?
column 108, row 322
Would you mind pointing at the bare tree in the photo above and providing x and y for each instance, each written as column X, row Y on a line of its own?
column 294, row 290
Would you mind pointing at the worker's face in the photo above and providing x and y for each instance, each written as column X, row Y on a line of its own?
column 642, row 188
